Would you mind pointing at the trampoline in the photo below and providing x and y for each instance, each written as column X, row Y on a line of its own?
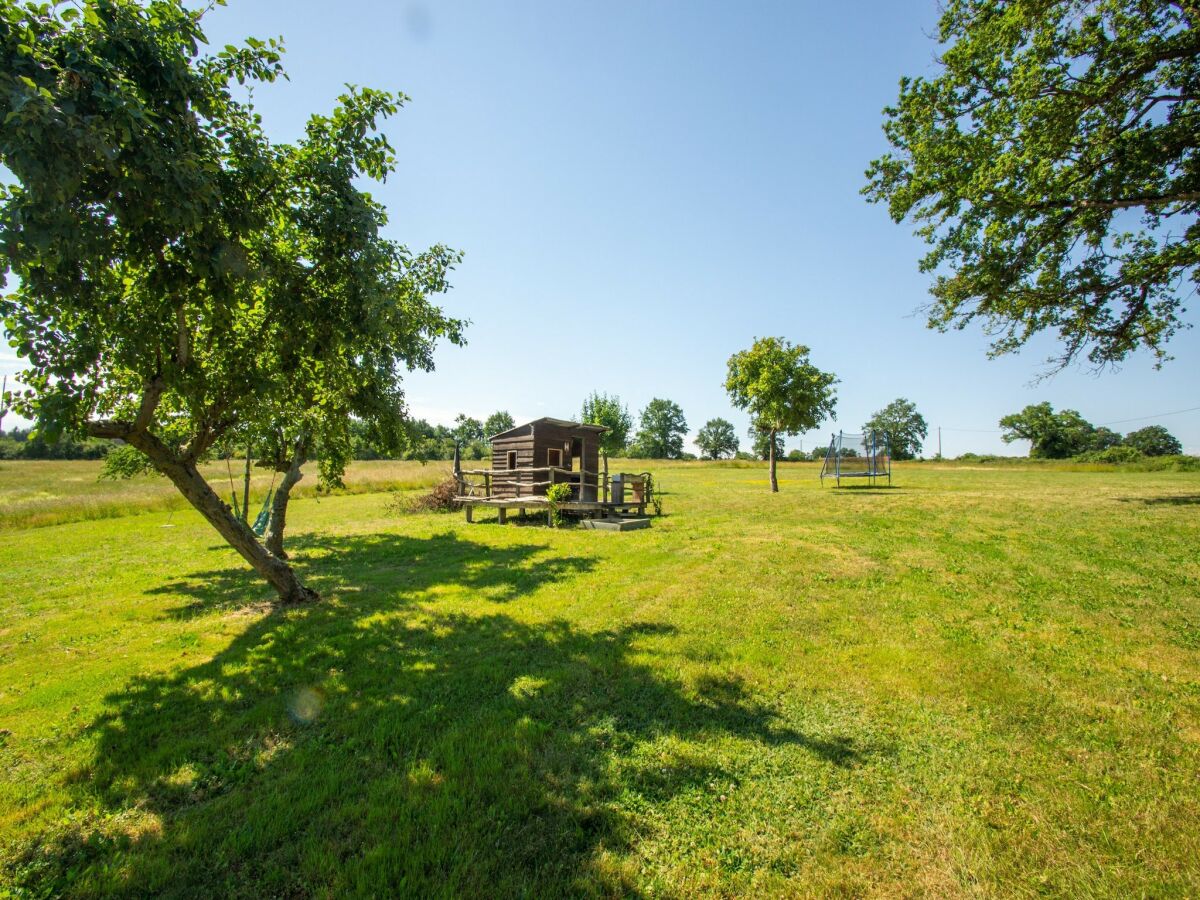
column 858, row 456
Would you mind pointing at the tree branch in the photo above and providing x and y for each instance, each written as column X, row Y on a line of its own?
column 1120, row 203
column 154, row 391
column 109, row 428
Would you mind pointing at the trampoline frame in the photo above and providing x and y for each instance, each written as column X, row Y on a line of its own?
column 878, row 449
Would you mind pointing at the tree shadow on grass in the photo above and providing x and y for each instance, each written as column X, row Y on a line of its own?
column 1165, row 500
column 370, row 744
column 388, row 565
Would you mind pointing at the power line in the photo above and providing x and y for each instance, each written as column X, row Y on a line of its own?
column 1177, row 412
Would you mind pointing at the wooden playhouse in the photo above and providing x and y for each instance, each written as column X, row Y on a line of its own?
column 528, row 459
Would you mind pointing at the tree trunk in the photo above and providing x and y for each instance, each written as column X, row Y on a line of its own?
column 771, row 457
column 279, row 505
column 189, row 482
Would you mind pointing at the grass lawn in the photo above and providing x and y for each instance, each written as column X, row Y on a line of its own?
column 985, row 681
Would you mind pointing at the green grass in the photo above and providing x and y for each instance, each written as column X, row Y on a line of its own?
column 981, row 682
column 37, row 493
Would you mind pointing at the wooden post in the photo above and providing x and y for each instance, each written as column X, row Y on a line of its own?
column 503, row 515
column 470, row 509
column 458, row 479
column 246, row 490
column 487, row 484
column 605, row 477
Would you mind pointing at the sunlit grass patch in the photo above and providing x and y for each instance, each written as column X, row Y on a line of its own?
column 983, row 681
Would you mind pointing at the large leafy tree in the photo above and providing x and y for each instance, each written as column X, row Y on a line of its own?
column 1052, row 435
column 181, row 278
column 905, row 427
column 1052, row 165
column 782, row 390
column 717, row 439
column 1153, row 440
column 661, row 430
column 601, row 409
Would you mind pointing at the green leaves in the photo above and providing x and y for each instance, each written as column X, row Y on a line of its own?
column 1052, row 166
column 601, row 409
column 175, row 267
column 717, row 439
column 661, row 432
column 904, row 426
column 775, row 382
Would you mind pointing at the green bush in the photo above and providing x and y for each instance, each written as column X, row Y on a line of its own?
column 556, row 494
column 1117, row 455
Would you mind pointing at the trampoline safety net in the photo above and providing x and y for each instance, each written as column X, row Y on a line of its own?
column 858, row 456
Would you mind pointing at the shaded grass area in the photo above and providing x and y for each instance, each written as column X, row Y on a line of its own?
column 973, row 683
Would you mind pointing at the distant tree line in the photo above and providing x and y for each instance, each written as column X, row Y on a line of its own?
column 25, row 443
column 1066, row 434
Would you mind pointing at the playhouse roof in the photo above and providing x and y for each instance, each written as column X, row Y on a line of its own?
column 547, row 420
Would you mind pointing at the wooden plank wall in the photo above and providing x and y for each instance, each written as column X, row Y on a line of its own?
column 531, row 451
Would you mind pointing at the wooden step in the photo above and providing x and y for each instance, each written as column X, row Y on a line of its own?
column 615, row 524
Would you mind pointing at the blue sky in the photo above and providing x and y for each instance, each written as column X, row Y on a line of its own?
column 641, row 188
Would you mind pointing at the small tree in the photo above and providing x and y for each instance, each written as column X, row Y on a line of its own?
column 904, row 426
column 782, row 390
column 180, row 278
column 467, row 429
column 496, row 423
column 601, row 409
column 717, row 439
column 1052, row 435
column 662, row 429
column 1154, row 440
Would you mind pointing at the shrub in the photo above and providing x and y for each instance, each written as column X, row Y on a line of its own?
column 1114, row 455
column 556, row 494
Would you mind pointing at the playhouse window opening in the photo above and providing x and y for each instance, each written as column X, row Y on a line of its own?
column 554, row 457
column 512, row 459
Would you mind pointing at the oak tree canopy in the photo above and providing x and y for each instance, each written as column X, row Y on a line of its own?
column 1051, row 165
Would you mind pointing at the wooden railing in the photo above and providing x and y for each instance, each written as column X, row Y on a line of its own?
column 569, row 476
column 640, row 482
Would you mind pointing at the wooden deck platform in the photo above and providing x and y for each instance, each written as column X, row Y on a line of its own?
column 590, row 508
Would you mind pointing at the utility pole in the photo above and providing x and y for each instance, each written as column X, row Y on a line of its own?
column 939, row 442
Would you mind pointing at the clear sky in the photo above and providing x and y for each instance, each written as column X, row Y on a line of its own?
column 642, row 188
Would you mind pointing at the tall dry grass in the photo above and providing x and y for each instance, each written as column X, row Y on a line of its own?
column 36, row 493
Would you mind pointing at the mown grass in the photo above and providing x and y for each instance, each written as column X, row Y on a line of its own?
column 981, row 682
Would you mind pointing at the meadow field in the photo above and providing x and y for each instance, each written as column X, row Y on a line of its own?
column 984, row 681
